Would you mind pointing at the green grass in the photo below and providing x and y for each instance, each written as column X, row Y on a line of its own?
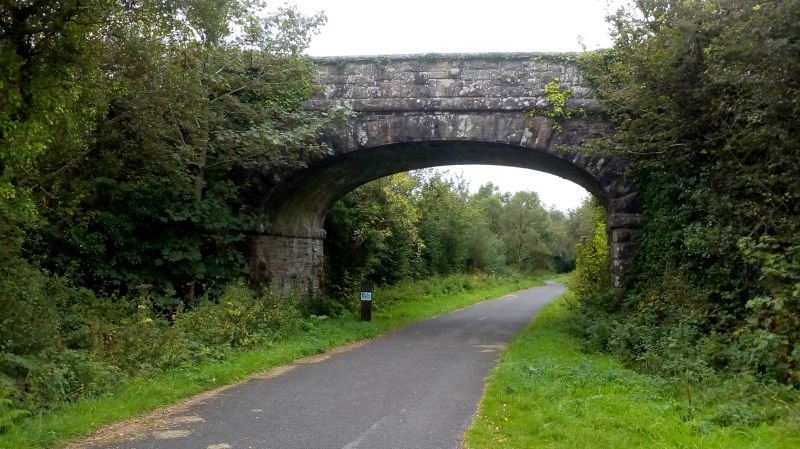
column 546, row 393
column 393, row 307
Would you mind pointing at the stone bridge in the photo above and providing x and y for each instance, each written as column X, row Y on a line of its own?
column 417, row 111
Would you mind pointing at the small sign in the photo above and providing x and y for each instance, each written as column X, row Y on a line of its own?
column 366, row 301
column 366, row 291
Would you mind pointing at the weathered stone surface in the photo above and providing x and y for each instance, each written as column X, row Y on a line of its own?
column 287, row 264
column 624, row 235
column 428, row 110
column 624, row 220
column 622, row 250
column 480, row 82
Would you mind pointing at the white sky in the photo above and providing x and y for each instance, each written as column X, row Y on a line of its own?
column 374, row 27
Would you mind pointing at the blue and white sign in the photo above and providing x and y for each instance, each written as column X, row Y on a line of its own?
column 366, row 296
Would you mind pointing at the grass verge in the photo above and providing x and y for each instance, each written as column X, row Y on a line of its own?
column 394, row 307
column 546, row 393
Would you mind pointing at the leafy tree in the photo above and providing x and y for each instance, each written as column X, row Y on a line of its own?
column 48, row 102
column 372, row 234
column 445, row 222
column 155, row 198
column 592, row 275
column 705, row 97
column 127, row 133
column 491, row 202
column 569, row 229
column 449, row 230
column 526, row 229
column 485, row 248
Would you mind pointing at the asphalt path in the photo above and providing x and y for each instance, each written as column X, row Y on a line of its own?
column 415, row 388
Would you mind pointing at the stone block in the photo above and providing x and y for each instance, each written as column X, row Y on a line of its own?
column 482, row 64
column 626, row 204
column 477, row 75
column 286, row 264
column 469, row 126
column 625, row 235
column 624, row 220
column 622, row 250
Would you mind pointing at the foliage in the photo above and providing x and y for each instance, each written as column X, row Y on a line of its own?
column 128, row 132
column 568, row 230
column 47, row 100
column 592, row 272
column 527, row 232
column 557, row 97
column 93, row 343
column 46, row 93
column 445, row 222
column 705, row 97
column 425, row 223
column 489, row 230
column 374, row 234
column 155, row 198
column 485, row 247
column 557, row 102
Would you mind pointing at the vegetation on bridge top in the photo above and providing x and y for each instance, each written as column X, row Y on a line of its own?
column 565, row 57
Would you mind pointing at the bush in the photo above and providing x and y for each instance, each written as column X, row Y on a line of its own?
column 74, row 344
column 704, row 101
column 592, row 274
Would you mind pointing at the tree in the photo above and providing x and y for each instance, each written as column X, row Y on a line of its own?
column 50, row 96
column 526, row 229
column 445, row 222
column 155, row 199
column 47, row 100
column 705, row 97
column 372, row 234
column 592, row 275
column 485, row 249
column 569, row 229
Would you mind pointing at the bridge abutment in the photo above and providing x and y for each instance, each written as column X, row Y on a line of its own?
column 623, row 241
column 287, row 264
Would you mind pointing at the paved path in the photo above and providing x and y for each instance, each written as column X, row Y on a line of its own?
column 416, row 388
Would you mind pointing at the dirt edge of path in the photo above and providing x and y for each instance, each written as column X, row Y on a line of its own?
column 164, row 418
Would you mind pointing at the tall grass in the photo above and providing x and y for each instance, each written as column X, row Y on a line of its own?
column 546, row 393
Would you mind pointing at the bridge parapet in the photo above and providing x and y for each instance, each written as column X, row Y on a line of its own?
column 449, row 82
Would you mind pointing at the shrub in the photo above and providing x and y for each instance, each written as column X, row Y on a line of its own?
column 67, row 343
column 592, row 268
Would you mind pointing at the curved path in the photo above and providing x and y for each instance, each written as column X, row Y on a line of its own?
column 414, row 388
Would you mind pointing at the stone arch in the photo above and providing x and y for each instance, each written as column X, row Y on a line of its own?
column 416, row 111
column 289, row 253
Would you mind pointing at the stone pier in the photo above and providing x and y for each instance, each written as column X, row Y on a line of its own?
column 623, row 240
column 287, row 265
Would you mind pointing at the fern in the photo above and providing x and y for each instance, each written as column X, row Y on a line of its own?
column 10, row 414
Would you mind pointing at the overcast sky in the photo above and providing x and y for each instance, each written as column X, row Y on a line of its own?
column 363, row 27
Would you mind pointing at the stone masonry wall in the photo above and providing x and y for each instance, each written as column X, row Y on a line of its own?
column 287, row 264
column 439, row 110
column 457, row 82
column 623, row 240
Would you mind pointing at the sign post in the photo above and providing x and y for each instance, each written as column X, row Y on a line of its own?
column 366, row 302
